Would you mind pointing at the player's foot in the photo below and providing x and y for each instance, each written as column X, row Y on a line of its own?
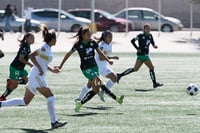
column 2, row 98
column 77, row 99
column 0, row 104
column 118, row 77
column 101, row 95
column 78, row 106
column 58, row 124
column 157, row 85
column 120, row 99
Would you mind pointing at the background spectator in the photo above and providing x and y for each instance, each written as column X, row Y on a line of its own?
column 7, row 17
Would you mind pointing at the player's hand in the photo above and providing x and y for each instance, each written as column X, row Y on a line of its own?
column 57, row 67
column 56, row 70
column 155, row 46
column 41, row 72
column 116, row 57
column 110, row 62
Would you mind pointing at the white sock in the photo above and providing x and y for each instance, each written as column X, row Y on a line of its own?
column 83, row 92
column 51, row 109
column 13, row 102
column 109, row 84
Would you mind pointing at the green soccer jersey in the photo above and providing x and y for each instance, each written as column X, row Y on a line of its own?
column 144, row 40
column 24, row 51
column 86, row 51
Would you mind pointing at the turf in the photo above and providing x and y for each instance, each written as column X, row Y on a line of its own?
column 145, row 110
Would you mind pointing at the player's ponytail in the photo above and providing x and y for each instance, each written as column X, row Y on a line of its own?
column 48, row 35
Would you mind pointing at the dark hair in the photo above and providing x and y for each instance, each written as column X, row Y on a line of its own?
column 48, row 35
column 23, row 41
column 81, row 31
column 103, row 36
column 146, row 25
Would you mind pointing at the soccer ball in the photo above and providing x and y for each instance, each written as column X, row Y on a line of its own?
column 192, row 89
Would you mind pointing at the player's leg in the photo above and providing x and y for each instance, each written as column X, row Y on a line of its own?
column 84, row 91
column 113, row 79
column 10, row 86
column 28, row 96
column 12, row 82
column 108, row 73
column 149, row 64
column 46, row 92
column 89, row 95
column 137, row 66
column 23, row 79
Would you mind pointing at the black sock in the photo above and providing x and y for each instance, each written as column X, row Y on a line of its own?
column 88, row 96
column 152, row 75
column 126, row 72
column 107, row 91
column 6, row 93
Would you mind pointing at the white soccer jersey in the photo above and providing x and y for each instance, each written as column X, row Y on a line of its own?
column 44, row 57
column 103, row 65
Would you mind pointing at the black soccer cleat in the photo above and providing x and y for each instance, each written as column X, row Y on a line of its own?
column 157, row 85
column 58, row 124
column 118, row 77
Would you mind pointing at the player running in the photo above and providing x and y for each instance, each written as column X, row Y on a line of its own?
column 86, row 49
column 40, row 58
column 17, row 71
column 104, row 69
column 144, row 41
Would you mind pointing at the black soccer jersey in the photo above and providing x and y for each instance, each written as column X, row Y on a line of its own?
column 24, row 51
column 144, row 40
column 86, row 51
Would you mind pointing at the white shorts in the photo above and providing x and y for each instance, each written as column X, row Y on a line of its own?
column 105, row 71
column 35, row 82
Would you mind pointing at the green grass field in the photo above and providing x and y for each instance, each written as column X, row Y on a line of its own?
column 164, row 110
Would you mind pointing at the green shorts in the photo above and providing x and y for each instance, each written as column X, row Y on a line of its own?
column 143, row 57
column 91, row 73
column 16, row 74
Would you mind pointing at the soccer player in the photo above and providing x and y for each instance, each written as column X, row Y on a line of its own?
column 17, row 71
column 2, row 38
column 104, row 69
column 40, row 58
column 86, row 50
column 144, row 40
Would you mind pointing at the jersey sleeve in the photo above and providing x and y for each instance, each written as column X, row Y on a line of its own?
column 133, row 42
column 40, row 50
column 74, row 48
column 152, row 40
column 95, row 45
column 23, row 51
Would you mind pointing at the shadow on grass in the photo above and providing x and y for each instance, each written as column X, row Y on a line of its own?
column 98, row 108
column 37, row 131
column 144, row 90
column 82, row 114
column 191, row 114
